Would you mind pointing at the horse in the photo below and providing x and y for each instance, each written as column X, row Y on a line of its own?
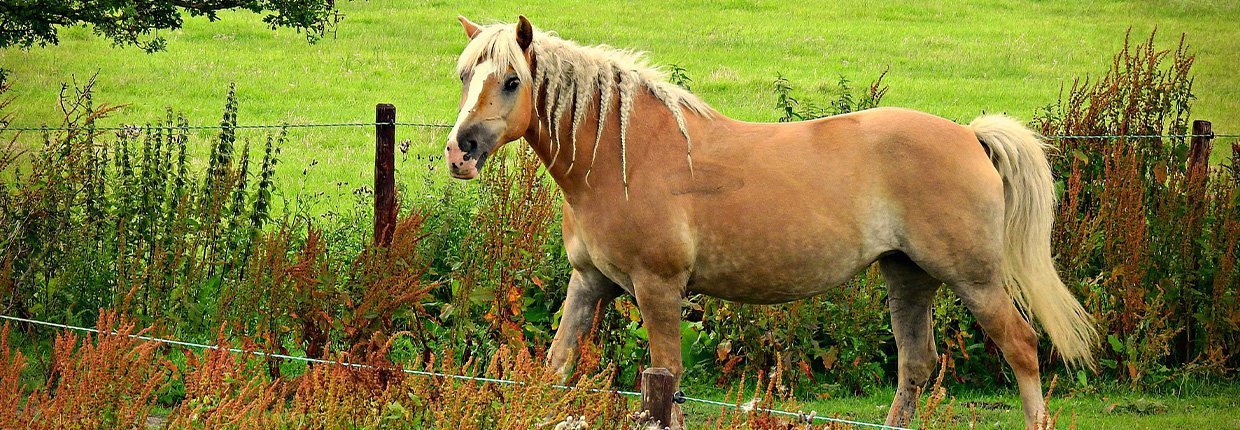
column 665, row 196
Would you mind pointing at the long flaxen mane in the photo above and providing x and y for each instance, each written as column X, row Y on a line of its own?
column 570, row 77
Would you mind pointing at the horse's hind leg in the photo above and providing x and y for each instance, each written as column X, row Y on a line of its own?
column 911, row 292
column 587, row 292
column 975, row 278
column 992, row 306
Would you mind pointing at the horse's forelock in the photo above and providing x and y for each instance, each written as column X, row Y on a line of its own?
column 498, row 44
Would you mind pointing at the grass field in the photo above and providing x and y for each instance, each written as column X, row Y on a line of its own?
column 952, row 58
column 955, row 59
column 1198, row 407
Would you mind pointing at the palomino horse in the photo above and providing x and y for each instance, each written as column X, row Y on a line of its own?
column 664, row 196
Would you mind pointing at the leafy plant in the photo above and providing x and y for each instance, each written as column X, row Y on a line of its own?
column 841, row 99
column 1147, row 227
column 106, row 380
column 680, row 77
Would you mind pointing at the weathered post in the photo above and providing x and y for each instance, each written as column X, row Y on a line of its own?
column 385, row 174
column 1196, row 182
column 1199, row 152
column 658, row 389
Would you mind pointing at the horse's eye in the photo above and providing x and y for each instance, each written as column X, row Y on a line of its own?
column 511, row 84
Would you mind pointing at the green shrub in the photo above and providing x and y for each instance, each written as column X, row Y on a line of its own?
column 1147, row 229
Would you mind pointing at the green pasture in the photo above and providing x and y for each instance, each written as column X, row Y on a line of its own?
column 1197, row 406
column 956, row 59
column 952, row 58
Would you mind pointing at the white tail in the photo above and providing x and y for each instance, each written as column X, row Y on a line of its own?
column 1029, row 274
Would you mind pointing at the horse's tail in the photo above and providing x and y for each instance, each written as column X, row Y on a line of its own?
column 1029, row 210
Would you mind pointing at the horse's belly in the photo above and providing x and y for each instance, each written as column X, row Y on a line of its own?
column 729, row 288
column 774, row 274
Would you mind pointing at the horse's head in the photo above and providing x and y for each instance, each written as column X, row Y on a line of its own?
column 496, row 94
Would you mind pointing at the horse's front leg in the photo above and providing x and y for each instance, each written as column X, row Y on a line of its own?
column 588, row 291
column 658, row 299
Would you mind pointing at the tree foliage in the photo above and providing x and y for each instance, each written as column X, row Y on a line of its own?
column 28, row 23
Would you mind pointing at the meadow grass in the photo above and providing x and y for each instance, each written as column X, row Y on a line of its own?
column 1113, row 407
column 955, row 59
column 951, row 58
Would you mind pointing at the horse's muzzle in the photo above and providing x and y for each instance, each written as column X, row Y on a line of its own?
column 460, row 163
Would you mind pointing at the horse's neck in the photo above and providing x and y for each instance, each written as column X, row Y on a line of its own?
column 580, row 167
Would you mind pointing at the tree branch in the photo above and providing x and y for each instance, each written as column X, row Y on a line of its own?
column 208, row 6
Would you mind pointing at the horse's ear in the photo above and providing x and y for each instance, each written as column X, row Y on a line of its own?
column 525, row 33
column 471, row 29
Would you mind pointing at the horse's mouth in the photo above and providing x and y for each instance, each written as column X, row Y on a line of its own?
column 467, row 168
column 463, row 169
column 465, row 174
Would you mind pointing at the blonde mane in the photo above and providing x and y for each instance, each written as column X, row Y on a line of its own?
column 570, row 76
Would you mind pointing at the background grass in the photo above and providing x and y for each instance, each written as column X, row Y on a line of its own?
column 1188, row 408
column 955, row 59
column 952, row 58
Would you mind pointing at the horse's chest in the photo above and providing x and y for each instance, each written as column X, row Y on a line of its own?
column 622, row 244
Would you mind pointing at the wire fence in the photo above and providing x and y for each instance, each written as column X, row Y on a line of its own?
column 807, row 418
column 131, row 127
column 135, row 127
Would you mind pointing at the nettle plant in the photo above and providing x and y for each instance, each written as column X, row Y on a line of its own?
column 839, row 99
column 119, row 217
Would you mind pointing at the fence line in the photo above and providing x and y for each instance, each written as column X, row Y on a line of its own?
column 134, row 127
column 800, row 416
column 1136, row 136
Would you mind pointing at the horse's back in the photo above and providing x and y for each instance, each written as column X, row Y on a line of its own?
column 910, row 156
column 883, row 151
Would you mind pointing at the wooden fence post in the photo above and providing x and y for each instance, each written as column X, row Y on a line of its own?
column 658, row 389
column 385, row 175
column 1199, row 152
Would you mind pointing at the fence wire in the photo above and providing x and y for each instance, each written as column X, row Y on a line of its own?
column 1136, row 136
column 135, row 127
column 808, row 418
